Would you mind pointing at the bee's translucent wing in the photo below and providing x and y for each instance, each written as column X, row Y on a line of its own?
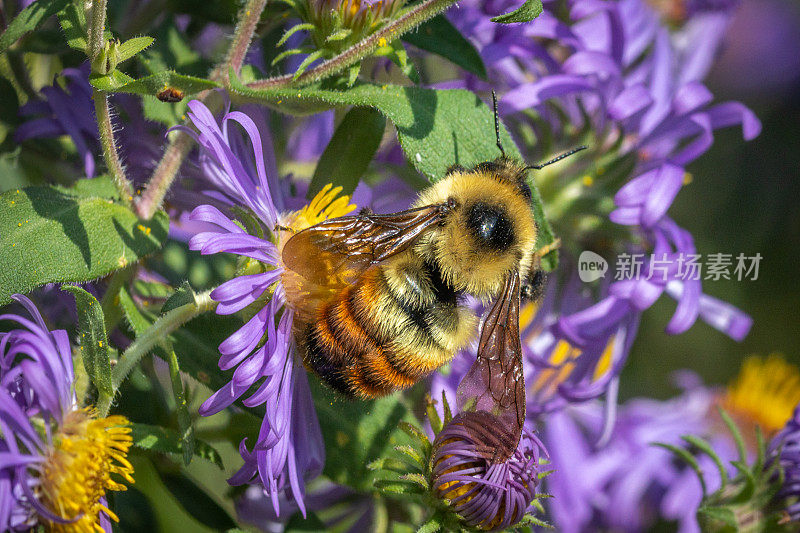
column 335, row 252
column 495, row 382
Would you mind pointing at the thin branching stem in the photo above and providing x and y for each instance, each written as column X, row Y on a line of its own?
column 156, row 333
column 411, row 19
column 113, row 162
column 180, row 144
column 102, row 109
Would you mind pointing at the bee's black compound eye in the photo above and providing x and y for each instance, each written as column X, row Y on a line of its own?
column 491, row 226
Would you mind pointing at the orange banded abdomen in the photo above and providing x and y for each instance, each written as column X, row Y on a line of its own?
column 368, row 341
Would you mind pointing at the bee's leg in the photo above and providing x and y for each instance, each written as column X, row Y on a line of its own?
column 534, row 286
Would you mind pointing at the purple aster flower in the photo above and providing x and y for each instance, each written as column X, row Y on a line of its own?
column 58, row 459
column 64, row 111
column 339, row 507
column 620, row 481
column 487, row 493
column 787, row 442
column 289, row 446
column 614, row 76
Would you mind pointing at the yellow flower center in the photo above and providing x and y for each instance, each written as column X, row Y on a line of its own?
column 563, row 358
column 765, row 392
column 77, row 473
column 323, row 206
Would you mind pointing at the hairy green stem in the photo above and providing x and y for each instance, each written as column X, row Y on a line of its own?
column 156, row 333
column 97, row 24
column 113, row 162
column 180, row 144
column 411, row 19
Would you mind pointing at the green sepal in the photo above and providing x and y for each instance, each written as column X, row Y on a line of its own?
column 689, row 458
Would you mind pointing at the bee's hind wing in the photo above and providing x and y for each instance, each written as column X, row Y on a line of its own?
column 495, row 383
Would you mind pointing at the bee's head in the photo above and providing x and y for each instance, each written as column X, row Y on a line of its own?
column 488, row 232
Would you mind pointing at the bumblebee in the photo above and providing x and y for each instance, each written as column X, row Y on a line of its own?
column 379, row 299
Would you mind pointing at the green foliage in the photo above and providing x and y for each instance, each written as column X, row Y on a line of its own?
column 117, row 82
column 436, row 128
column 165, row 440
column 131, row 47
column 73, row 23
column 93, row 339
column 61, row 237
column 525, row 13
column 29, row 19
column 310, row 524
column 744, row 500
column 350, row 151
column 439, row 36
column 197, row 502
column 356, row 432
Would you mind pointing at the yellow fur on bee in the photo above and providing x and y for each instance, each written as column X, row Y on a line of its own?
column 464, row 265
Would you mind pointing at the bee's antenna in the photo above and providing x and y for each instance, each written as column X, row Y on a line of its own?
column 497, row 124
column 558, row 158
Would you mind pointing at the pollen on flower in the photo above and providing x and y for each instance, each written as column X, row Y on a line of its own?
column 765, row 392
column 323, row 206
column 78, row 470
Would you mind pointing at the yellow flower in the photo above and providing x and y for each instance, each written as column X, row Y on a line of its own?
column 78, row 470
column 765, row 392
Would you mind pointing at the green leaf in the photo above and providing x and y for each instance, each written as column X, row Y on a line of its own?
column 436, row 128
column 165, row 440
column 310, row 524
column 184, row 295
column 185, row 427
column 93, row 338
column 197, row 502
column 350, row 150
column 116, row 82
column 525, row 13
column 29, row 19
column 73, row 23
column 110, row 82
column 99, row 187
column 56, row 237
column 439, row 36
column 131, row 47
column 356, row 433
